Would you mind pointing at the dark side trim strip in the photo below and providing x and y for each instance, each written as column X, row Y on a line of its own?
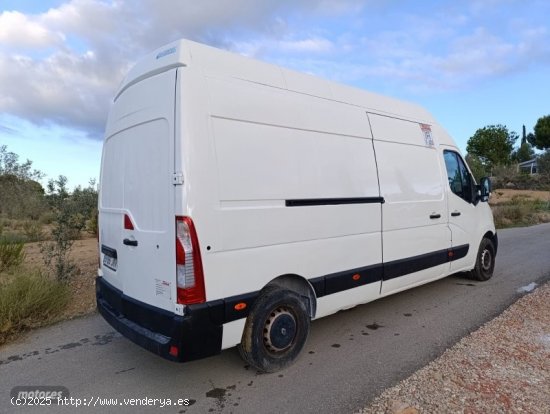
column 223, row 310
column 332, row 201
column 402, row 267
column 348, row 279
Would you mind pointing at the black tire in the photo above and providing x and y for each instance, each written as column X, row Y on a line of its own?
column 485, row 261
column 276, row 330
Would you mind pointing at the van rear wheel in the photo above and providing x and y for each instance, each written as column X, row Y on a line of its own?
column 276, row 330
column 485, row 262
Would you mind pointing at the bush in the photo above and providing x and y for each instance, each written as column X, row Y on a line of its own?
column 91, row 223
column 543, row 162
column 11, row 253
column 508, row 176
column 47, row 217
column 504, row 176
column 67, row 225
column 57, row 260
column 28, row 300
column 33, row 231
column 521, row 212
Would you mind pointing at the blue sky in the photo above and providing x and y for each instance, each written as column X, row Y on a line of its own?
column 471, row 63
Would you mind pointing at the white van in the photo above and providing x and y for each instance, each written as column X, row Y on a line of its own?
column 240, row 200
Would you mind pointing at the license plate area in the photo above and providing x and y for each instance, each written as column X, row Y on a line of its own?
column 110, row 257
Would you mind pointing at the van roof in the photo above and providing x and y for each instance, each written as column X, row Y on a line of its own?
column 217, row 62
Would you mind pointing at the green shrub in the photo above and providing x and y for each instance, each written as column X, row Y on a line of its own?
column 57, row 260
column 28, row 299
column 520, row 211
column 91, row 223
column 11, row 253
column 47, row 217
column 33, row 231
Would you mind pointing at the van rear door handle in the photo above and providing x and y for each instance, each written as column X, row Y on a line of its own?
column 455, row 213
column 435, row 216
column 129, row 242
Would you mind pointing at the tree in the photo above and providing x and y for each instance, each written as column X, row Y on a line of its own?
column 542, row 133
column 524, row 153
column 476, row 166
column 543, row 162
column 9, row 165
column 493, row 145
column 21, row 196
column 72, row 212
column 66, row 227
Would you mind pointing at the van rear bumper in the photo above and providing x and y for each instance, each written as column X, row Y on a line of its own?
column 194, row 335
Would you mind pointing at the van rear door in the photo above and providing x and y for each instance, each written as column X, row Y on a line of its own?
column 136, row 208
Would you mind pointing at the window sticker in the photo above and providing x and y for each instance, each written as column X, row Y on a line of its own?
column 427, row 131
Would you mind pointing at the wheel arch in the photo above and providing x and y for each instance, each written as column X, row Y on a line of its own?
column 299, row 285
column 493, row 237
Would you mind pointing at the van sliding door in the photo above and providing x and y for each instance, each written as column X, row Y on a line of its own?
column 414, row 221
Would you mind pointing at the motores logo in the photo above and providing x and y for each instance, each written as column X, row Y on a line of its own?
column 47, row 392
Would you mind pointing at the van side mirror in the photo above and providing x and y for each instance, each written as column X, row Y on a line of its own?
column 484, row 188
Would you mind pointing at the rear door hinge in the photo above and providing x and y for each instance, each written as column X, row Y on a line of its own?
column 177, row 178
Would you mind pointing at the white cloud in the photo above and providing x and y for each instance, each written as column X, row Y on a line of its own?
column 18, row 30
column 64, row 65
column 76, row 54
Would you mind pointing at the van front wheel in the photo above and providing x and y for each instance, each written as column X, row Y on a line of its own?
column 485, row 262
column 276, row 330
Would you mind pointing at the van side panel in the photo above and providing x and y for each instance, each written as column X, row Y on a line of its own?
column 274, row 147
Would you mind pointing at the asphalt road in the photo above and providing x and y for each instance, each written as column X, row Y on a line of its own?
column 349, row 358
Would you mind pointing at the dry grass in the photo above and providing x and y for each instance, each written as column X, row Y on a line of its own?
column 28, row 299
column 11, row 253
column 82, row 285
column 500, row 196
column 512, row 208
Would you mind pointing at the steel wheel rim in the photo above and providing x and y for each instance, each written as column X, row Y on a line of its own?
column 280, row 330
column 486, row 260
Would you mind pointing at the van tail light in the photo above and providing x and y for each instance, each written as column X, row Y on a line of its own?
column 189, row 273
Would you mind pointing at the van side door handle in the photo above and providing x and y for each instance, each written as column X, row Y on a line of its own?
column 435, row 216
column 129, row 242
column 455, row 213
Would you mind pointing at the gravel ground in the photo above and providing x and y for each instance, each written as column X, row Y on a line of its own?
column 503, row 367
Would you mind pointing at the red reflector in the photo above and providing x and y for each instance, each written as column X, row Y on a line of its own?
column 128, row 225
column 174, row 350
column 451, row 253
column 240, row 306
column 356, row 276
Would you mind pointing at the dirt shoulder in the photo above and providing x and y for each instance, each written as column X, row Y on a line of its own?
column 84, row 254
column 502, row 367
